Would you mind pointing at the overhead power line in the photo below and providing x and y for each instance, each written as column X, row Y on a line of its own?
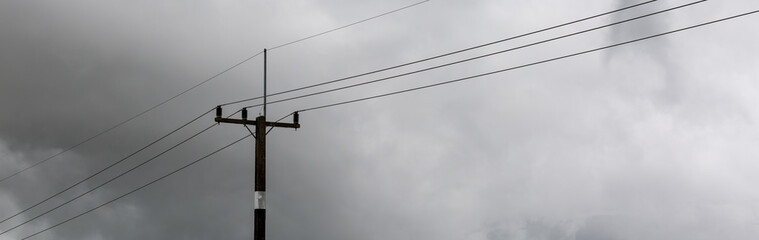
column 106, row 182
column 198, row 85
column 534, row 63
column 137, row 189
column 112, row 178
column 443, row 55
column 349, row 25
column 104, row 169
column 483, row 56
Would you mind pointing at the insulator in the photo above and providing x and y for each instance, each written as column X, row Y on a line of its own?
column 218, row 111
column 295, row 117
column 244, row 113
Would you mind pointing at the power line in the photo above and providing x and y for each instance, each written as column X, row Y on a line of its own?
column 137, row 189
column 349, row 25
column 104, row 169
column 483, row 56
column 106, row 182
column 197, row 85
column 113, row 178
column 534, row 63
column 443, row 55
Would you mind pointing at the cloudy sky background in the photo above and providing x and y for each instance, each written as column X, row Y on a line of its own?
column 654, row 140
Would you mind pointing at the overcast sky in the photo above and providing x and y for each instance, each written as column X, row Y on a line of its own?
column 653, row 140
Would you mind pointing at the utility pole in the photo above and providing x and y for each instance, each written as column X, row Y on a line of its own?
column 259, row 202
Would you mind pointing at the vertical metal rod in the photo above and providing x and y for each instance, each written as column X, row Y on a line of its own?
column 265, row 81
column 259, row 221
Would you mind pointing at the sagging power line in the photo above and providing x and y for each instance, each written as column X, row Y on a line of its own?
column 104, row 169
column 349, row 25
column 482, row 56
column 57, row 206
column 137, row 189
column 445, row 54
column 531, row 64
column 112, row 178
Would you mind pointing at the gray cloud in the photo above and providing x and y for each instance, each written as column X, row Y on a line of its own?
column 649, row 141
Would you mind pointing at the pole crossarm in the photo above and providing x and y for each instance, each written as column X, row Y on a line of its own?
column 253, row 122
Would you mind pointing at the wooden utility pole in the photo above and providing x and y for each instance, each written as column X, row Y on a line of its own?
column 259, row 202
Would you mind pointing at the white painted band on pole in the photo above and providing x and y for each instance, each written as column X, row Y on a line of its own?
column 259, row 200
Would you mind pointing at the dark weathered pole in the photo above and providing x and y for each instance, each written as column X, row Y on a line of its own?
column 259, row 222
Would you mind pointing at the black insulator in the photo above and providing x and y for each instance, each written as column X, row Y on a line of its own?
column 244, row 113
column 218, row 111
column 295, row 117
